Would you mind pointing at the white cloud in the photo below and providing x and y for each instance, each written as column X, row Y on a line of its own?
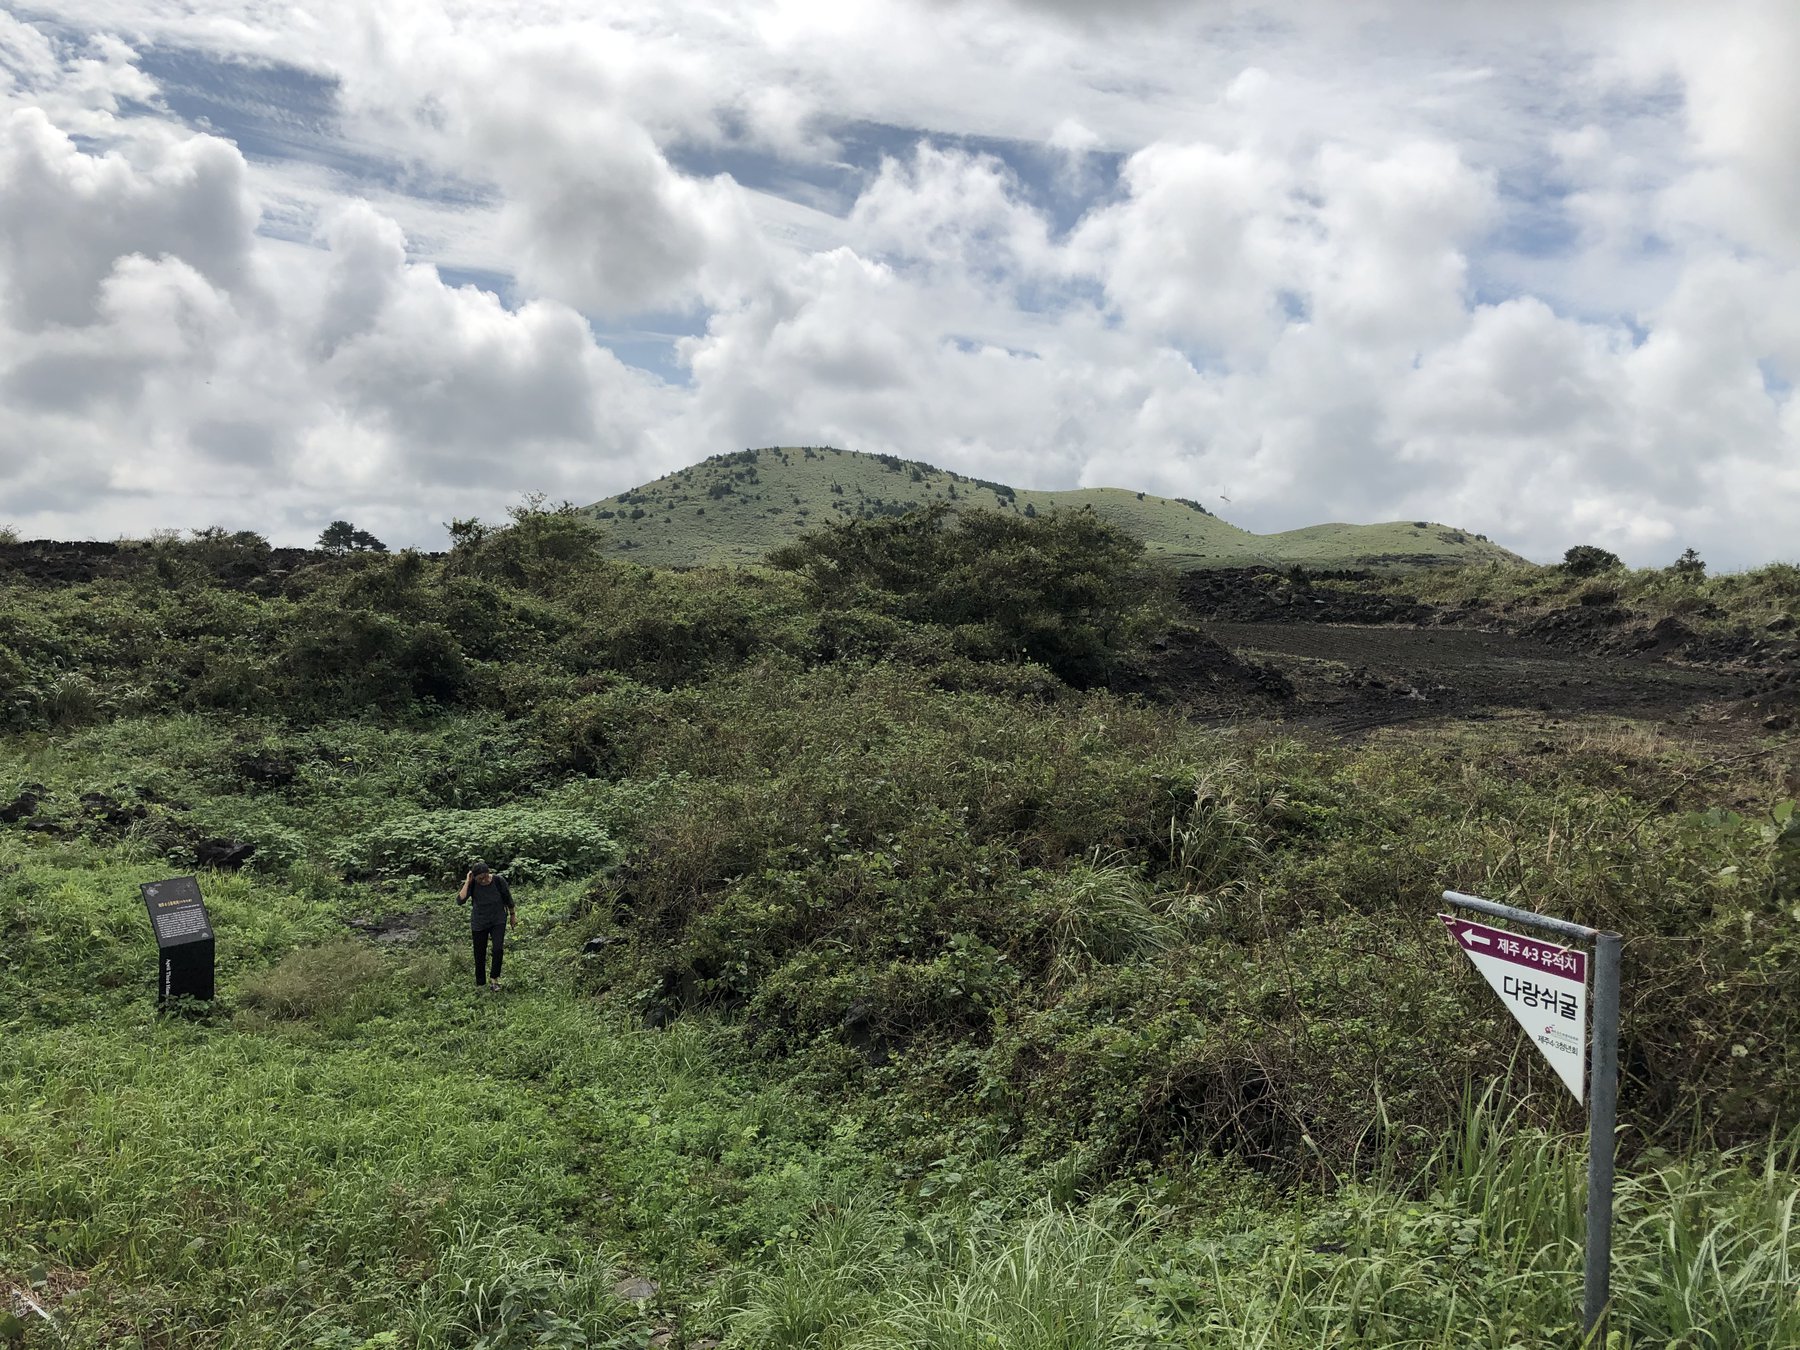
column 173, row 367
column 69, row 215
column 953, row 213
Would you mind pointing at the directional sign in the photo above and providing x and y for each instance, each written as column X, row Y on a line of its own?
column 1543, row 985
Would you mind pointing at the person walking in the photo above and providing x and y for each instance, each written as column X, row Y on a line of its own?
column 491, row 913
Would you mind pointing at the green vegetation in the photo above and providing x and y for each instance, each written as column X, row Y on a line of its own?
column 882, row 978
column 738, row 507
column 1759, row 601
column 342, row 537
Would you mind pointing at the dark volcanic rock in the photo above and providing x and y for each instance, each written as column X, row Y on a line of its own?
column 111, row 815
column 227, row 855
column 1575, row 627
column 1669, row 635
column 49, row 562
column 397, row 928
column 265, row 769
column 21, row 807
column 1264, row 595
column 1187, row 666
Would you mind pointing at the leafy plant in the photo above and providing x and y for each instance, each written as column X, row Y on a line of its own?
column 530, row 844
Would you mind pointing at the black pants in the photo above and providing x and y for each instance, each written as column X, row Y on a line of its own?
column 480, row 937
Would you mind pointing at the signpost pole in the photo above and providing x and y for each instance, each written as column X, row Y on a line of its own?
column 1603, row 1107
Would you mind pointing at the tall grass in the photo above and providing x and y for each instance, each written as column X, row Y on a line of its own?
column 1481, row 1248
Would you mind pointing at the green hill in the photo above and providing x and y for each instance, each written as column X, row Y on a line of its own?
column 734, row 508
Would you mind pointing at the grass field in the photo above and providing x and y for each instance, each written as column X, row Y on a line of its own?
column 357, row 1150
column 873, row 987
column 734, row 508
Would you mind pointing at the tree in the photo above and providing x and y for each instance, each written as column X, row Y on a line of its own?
column 468, row 531
column 543, row 547
column 1065, row 589
column 1690, row 566
column 342, row 537
column 1588, row 560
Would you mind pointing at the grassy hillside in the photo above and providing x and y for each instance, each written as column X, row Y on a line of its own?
column 872, row 988
column 735, row 508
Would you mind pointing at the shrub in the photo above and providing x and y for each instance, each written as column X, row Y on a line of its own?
column 1689, row 567
column 1096, row 913
column 1587, row 560
column 215, row 553
column 72, row 700
column 1066, row 590
column 542, row 548
column 18, row 696
column 354, row 659
column 342, row 537
column 531, row 844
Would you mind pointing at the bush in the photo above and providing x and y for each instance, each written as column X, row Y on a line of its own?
column 530, row 844
column 1587, row 560
column 1066, row 590
column 73, row 700
column 356, row 659
column 542, row 548
column 1096, row 913
column 342, row 537
column 18, row 697
column 213, row 553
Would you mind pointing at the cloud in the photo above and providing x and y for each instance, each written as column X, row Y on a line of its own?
column 1741, row 106
column 462, row 391
column 175, row 367
column 597, row 216
column 69, row 215
column 1226, row 246
column 953, row 212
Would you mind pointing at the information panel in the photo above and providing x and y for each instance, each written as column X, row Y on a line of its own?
column 184, row 938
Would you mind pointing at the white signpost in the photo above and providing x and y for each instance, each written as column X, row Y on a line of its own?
column 1545, row 987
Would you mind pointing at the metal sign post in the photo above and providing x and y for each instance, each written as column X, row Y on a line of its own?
column 1563, row 968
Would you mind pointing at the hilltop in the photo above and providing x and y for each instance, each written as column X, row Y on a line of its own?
column 734, row 508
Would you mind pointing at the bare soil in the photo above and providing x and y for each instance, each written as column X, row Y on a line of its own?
column 1354, row 676
column 1354, row 659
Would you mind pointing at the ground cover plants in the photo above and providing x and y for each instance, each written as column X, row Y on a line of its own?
column 885, row 974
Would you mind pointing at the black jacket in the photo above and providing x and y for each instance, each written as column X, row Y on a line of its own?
column 489, row 904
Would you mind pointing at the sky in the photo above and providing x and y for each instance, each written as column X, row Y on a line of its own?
column 1532, row 269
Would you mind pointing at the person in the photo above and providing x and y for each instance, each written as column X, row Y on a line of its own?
column 491, row 913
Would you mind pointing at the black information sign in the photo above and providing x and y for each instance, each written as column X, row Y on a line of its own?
column 184, row 938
